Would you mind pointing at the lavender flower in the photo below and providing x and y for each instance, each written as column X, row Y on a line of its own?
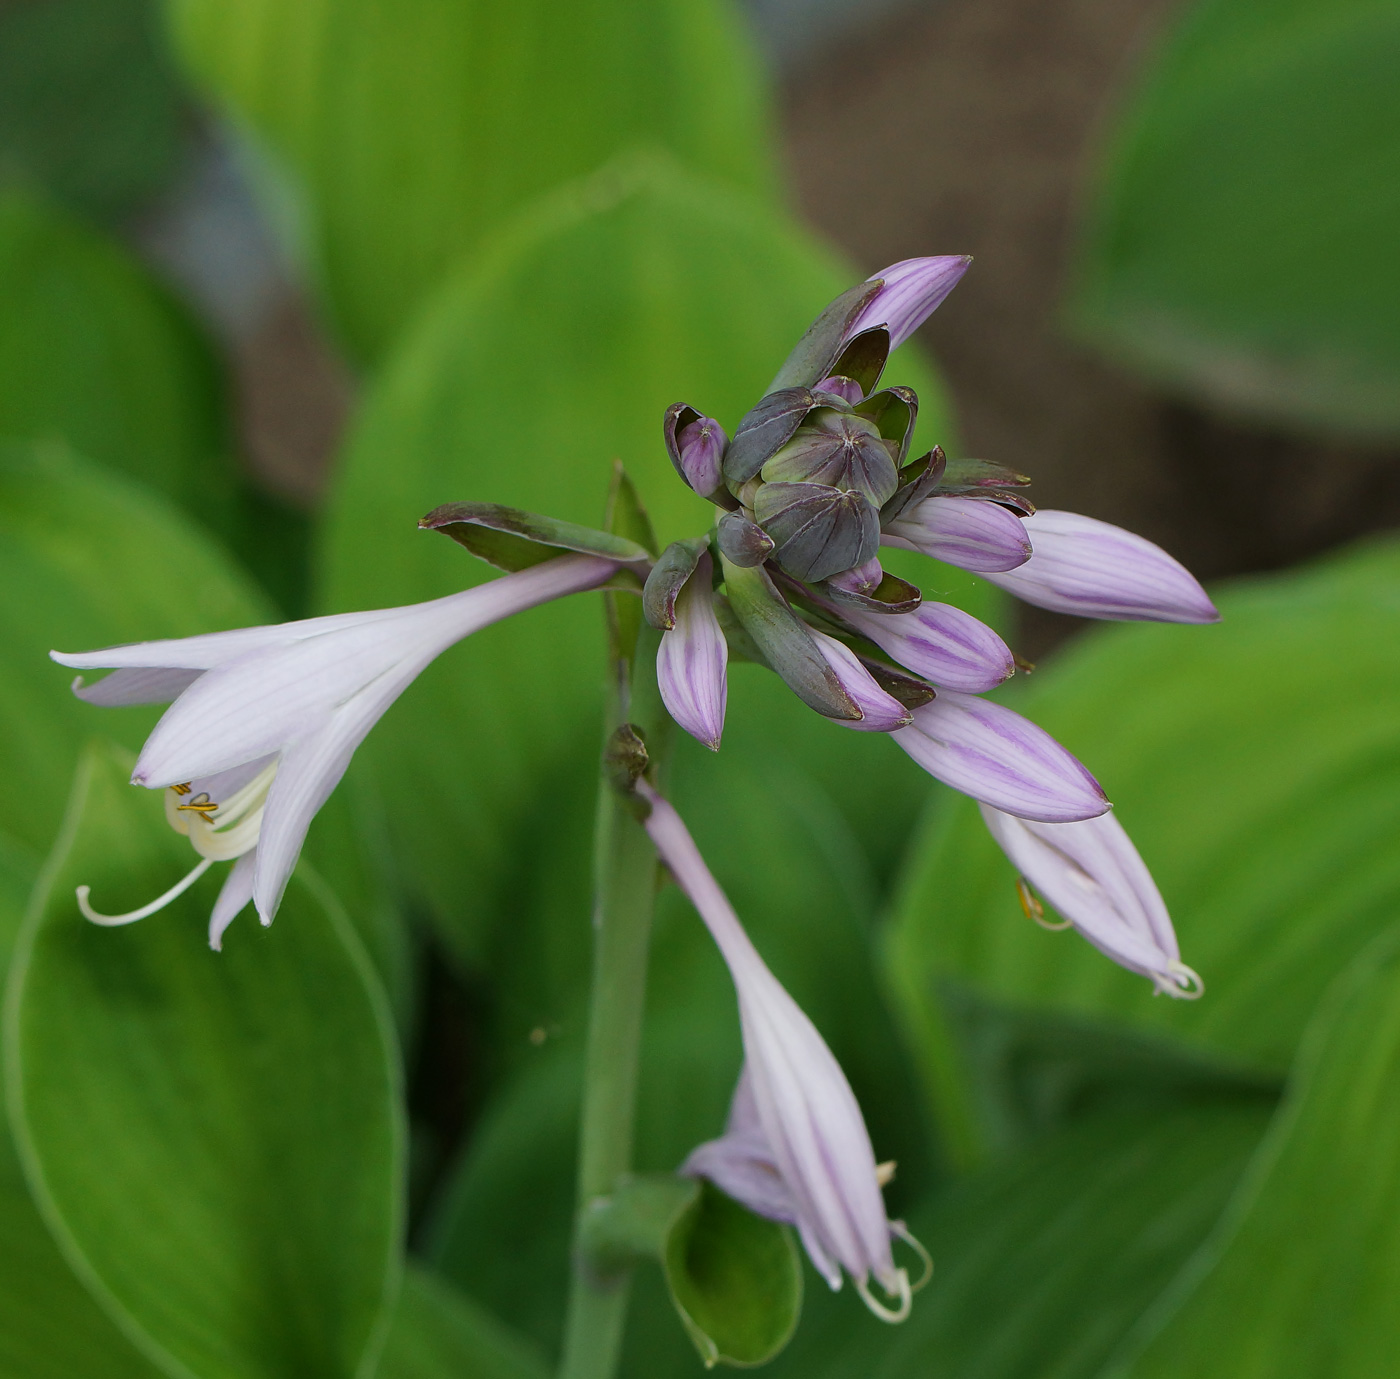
column 692, row 660
column 701, row 444
column 1095, row 570
column 970, row 533
column 882, row 713
column 266, row 719
column 798, row 1149
column 946, row 646
column 993, row 754
column 913, row 289
column 1092, row 874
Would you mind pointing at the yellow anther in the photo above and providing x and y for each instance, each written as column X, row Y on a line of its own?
column 1030, row 905
column 201, row 805
column 181, row 789
column 884, row 1173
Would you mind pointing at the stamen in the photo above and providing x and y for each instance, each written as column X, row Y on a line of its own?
column 884, row 1173
column 1033, row 909
column 902, row 1232
column 888, row 1314
column 159, row 903
column 201, row 805
column 181, row 789
column 1186, row 985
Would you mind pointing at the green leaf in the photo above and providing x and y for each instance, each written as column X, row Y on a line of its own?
column 1263, row 148
column 94, row 352
column 591, row 317
column 414, row 126
column 1043, row 1262
column 513, row 540
column 736, row 1280
column 1301, row 1278
column 213, row 1139
column 439, row 1333
column 89, row 106
column 1256, row 765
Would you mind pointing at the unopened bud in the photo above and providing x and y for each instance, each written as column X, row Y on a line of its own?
column 701, row 446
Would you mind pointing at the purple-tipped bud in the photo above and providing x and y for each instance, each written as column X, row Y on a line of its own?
column 1092, row 874
column 845, row 388
column 701, row 445
column 692, row 661
column 970, row 533
column 993, row 754
column 1092, row 569
column 882, row 712
column 913, row 289
column 944, row 645
column 864, row 579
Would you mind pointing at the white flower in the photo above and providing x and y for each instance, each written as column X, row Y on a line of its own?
column 265, row 719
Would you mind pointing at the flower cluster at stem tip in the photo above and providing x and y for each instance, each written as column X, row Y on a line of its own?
column 816, row 480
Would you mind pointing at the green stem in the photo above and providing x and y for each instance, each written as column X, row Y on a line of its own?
column 624, row 892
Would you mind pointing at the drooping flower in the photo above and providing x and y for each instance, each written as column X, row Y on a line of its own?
column 1093, row 569
column 692, row 660
column 265, row 719
column 1093, row 876
column 797, row 1149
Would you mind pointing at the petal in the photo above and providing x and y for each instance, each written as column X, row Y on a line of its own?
column 156, row 685
column 971, row 533
column 944, row 645
column 883, row 713
column 1092, row 874
column 913, row 289
column 692, row 661
column 993, row 754
column 236, row 893
column 1095, row 570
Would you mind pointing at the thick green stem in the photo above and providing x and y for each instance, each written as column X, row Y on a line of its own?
column 624, row 893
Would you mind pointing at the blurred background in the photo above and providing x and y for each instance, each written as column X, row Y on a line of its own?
column 298, row 270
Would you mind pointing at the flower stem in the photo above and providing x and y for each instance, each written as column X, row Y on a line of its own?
column 624, row 893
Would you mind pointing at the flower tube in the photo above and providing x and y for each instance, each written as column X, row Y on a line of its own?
column 265, row 719
column 799, row 1115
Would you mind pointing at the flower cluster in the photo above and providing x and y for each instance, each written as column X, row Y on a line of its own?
column 816, row 479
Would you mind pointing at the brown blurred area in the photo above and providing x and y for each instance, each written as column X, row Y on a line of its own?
column 968, row 126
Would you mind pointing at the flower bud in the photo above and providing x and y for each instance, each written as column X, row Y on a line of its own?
column 882, row 713
column 692, row 660
column 839, row 450
column 701, row 446
column 941, row 643
column 820, row 531
column 912, row 290
column 971, row 533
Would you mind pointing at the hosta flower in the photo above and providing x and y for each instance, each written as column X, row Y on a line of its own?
column 265, row 719
column 797, row 1148
column 1092, row 874
column 910, row 292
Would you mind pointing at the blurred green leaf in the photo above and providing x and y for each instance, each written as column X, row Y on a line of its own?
column 94, row 352
column 532, row 372
column 1242, row 244
column 1044, row 1261
column 1302, row 1277
column 438, row 1333
column 89, row 103
column 411, row 127
column 1256, row 765
column 214, row 1139
column 735, row 1279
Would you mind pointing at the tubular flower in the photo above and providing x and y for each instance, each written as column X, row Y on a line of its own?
column 797, row 1148
column 1092, row 874
column 265, row 719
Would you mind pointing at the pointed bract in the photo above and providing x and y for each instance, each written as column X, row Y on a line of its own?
column 1093, row 569
column 1093, row 876
column 993, row 754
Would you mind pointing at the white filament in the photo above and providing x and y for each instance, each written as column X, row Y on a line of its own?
column 159, row 903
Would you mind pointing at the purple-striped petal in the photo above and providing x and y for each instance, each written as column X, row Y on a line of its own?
column 1092, row 569
column 237, row 891
column 971, row 533
column 882, row 712
column 692, row 661
column 993, row 754
column 701, row 446
column 1092, row 874
column 913, row 289
column 944, row 645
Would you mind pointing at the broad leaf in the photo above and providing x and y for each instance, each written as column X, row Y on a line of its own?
column 1301, row 1279
column 1262, row 150
column 1256, row 765
column 214, row 1139
column 439, row 1333
column 525, row 381
column 411, row 127
column 89, row 108
column 94, row 352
